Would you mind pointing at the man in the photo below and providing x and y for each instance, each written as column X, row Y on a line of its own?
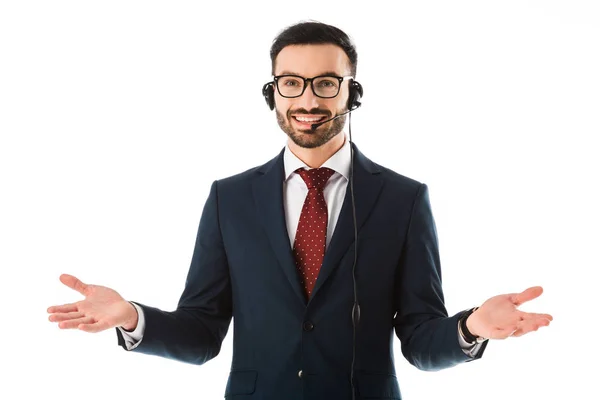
column 275, row 250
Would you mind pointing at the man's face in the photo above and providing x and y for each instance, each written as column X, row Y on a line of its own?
column 309, row 61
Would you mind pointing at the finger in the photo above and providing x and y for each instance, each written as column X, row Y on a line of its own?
column 65, row 316
column 74, row 283
column 530, row 326
column 74, row 323
column 63, row 308
column 527, row 316
column 94, row 327
column 526, row 295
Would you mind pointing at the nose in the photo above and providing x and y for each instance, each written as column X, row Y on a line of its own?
column 308, row 100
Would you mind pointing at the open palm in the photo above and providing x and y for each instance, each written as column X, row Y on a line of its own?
column 103, row 308
column 499, row 316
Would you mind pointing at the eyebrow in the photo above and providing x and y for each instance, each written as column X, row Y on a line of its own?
column 323, row 73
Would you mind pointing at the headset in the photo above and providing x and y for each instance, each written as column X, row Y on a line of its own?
column 355, row 94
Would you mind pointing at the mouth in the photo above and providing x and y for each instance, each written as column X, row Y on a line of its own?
column 304, row 121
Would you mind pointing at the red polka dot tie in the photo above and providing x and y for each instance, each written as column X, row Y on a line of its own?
column 309, row 244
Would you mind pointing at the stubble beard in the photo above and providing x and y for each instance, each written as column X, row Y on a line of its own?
column 307, row 138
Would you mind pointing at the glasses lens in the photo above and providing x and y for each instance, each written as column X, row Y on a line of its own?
column 290, row 86
column 326, row 86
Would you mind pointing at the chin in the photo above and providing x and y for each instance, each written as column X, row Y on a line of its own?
column 306, row 141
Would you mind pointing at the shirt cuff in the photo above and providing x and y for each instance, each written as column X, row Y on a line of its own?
column 134, row 338
column 470, row 349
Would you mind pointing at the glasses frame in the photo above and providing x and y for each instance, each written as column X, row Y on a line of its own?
column 312, row 87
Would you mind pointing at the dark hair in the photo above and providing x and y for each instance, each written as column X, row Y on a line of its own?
column 314, row 33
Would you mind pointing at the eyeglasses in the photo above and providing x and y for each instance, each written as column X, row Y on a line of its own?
column 324, row 86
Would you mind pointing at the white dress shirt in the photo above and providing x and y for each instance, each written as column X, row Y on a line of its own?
column 294, row 194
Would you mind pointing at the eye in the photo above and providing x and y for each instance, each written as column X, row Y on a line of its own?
column 291, row 82
column 327, row 83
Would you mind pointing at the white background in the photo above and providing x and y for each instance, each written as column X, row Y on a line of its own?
column 116, row 116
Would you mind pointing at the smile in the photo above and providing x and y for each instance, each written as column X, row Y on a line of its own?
column 308, row 119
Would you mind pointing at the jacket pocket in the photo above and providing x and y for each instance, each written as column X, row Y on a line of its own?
column 241, row 382
column 377, row 385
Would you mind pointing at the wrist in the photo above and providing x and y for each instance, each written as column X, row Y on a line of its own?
column 467, row 327
column 469, row 323
column 132, row 320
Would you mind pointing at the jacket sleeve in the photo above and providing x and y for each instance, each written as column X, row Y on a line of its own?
column 194, row 332
column 428, row 336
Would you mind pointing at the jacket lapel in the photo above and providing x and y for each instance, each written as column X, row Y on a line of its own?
column 367, row 185
column 268, row 196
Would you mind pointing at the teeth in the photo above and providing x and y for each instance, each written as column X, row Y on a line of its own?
column 304, row 119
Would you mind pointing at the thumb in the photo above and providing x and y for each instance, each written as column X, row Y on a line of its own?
column 74, row 283
column 526, row 295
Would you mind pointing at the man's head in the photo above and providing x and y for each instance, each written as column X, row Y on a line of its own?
column 309, row 50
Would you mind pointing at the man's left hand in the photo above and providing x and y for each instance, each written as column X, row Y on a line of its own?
column 498, row 317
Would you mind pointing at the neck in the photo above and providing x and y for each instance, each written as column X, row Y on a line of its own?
column 315, row 157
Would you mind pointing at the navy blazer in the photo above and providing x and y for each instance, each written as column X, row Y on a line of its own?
column 285, row 347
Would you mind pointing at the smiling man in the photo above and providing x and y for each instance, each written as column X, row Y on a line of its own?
column 275, row 251
column 298, row 108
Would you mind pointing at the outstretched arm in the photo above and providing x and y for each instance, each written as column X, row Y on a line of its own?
column 429, row 338
column 193, row 333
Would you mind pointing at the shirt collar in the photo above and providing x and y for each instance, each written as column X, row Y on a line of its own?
column 339, row 162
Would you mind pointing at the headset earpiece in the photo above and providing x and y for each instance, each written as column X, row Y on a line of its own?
column 355, row 92
column 268, row 92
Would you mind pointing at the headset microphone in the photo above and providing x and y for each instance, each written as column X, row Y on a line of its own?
column 315, row 126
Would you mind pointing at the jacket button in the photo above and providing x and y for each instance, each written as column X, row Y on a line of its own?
column 300, row 374
column 308, row 326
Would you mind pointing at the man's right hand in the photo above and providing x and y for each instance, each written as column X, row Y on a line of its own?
column 102, row 308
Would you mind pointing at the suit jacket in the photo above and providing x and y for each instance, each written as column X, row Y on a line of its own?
column 287, row 347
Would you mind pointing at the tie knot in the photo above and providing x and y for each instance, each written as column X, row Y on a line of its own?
column 316, row 177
